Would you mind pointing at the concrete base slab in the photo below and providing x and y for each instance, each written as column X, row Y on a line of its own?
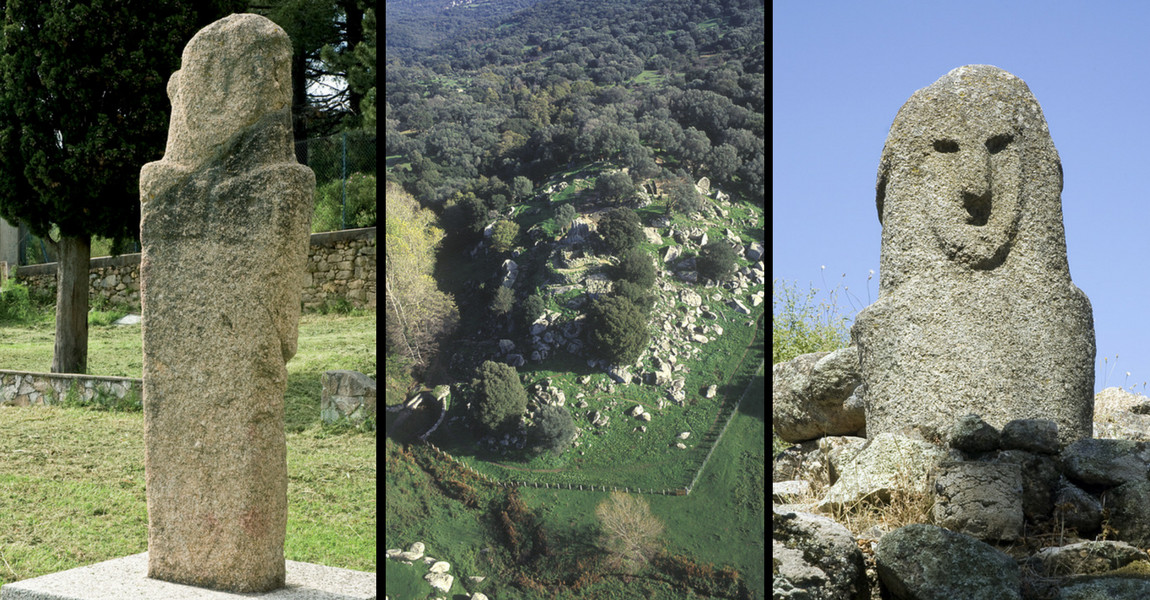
column 126, row 579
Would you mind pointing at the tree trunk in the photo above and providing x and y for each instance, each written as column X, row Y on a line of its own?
column 71, row 353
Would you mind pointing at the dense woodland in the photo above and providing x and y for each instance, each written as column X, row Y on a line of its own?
column 487, row 100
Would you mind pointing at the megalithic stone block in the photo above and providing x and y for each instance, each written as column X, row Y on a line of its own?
column 977, row 313
column 224, row 229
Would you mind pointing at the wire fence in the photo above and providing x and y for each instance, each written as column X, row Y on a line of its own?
column 344, row 167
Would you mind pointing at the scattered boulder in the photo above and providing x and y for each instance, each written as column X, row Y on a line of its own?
column 740, row 307
column 684, row 435
column 925, row 561
column 809, row 392
column 1076, row 509
column 440, row 581
column 671, row 254
column 971, row 434
column 1122, row 415
column 889, row 461
column 1037, row 435
column 620, row 374
column 815, row 557
column 754, row 251
column 1085, row 558
column 645, row 417
column 440, row 567
column 1128, row 511
column 506, row 346
column 1040, row 477
column 704, row 185
column 680, row 446
column 711, row 391
column 690, row 298
column 515, row 360
column 980, row 499
column 1106, row 462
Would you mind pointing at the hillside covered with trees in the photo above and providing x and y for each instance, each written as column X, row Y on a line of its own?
column 575, row 279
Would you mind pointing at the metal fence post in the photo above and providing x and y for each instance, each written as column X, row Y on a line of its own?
column 343, row 187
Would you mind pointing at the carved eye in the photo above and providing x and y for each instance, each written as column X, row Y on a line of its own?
column 945, row 146
column 995, row 144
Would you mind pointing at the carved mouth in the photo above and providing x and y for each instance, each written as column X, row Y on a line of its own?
column 978, row 207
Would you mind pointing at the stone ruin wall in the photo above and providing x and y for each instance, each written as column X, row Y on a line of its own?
column 341, row 264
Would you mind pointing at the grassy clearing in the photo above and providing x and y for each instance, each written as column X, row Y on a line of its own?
column 72, row 492
column 72, row 479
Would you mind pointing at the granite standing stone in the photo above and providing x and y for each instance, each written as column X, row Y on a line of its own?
column 976, row 311
column 224, row 229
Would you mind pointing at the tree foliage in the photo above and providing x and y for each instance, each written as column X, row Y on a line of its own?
column 682, row 197
column 636, row 294
column 554, row 429
column 614, row 187
column 636, row 267
column 716, row 260
column 620, row 229
column 83, row 105
column 532, row 309
column 418, row 314
column 617, row 329
column 500, row 397
column 503, row 235
column 565, row 216
column 630, row 533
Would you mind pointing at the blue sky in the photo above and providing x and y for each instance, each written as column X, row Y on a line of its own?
column 840, row 72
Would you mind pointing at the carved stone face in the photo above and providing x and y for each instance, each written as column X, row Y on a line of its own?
column 969, row 180
column 972, row 184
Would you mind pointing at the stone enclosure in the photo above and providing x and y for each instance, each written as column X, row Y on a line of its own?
column 965, row 400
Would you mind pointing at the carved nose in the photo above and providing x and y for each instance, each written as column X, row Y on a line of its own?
column 975, row 180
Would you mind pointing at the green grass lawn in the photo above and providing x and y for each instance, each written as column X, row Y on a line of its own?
column 72, row 479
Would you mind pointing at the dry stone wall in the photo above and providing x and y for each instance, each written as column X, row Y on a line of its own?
column 341, row 264
column 18, row 388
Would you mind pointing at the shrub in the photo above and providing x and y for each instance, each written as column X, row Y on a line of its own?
column 15, row 304
column 500, row 397
column 716, row 261
column 554, row 429
column 620, row 229
column 630, row 531
column 617, row 329
column 360, row 210
column 637, row 268
column 503, row 235
column 799, row 327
